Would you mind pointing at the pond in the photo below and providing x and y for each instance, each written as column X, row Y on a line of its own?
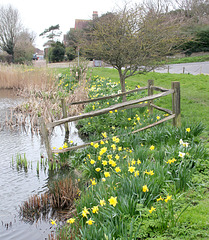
column 16, row 186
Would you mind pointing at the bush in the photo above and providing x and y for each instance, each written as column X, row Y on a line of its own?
column 56, row 52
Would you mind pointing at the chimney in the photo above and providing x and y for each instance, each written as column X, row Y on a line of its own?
column 95, row 15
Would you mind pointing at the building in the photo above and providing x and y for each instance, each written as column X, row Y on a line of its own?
column 80, row 24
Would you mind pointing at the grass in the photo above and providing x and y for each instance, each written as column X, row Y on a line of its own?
column 203, row 58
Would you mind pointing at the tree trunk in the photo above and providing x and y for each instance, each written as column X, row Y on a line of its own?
column 122, row 83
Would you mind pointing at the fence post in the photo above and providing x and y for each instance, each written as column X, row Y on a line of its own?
column 45, row 136
column 150, row 92
column 64, row 112
column 176, row 107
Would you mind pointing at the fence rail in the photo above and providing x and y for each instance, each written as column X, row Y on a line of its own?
column 174, row 113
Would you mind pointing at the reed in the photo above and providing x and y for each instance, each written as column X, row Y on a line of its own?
column 24, row 78
column 45, row 101
column 61, row 195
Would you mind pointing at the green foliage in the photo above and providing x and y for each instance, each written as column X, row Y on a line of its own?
column 71, row 53
column 56, row 52
column 200, row 42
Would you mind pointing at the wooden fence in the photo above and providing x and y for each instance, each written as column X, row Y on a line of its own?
column 173, row 114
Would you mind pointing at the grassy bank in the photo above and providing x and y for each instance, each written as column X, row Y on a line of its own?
column 203, row 58
column 194, row 92
column 150, row 185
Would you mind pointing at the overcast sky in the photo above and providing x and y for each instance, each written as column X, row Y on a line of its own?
column 37, row 15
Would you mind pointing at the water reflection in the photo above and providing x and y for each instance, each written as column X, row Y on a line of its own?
column 18, row 186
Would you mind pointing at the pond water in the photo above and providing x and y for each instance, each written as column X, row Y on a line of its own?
column 16, row 186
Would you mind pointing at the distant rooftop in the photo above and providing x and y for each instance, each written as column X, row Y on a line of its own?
column 81, row 23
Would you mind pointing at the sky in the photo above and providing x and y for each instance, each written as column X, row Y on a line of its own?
column 38, row 15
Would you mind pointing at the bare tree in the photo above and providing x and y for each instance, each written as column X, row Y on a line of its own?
column 10, row 27
column 135, row 40
column 24, row 48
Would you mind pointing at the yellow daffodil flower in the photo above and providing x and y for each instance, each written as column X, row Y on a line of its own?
column 53, row 222
column 95, row 209
column 71, row 220
column 117, row 169
column 188, row 130
column 145, row 188
column 107, row 174
column 152, row 209
column 102, row 202
column 113, row 201
column 90, row 222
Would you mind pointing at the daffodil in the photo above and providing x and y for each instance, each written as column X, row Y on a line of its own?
column 95, row 209
column 102, row 151
column 104, row 134
column 152, row 209
column 104, row 162
column 113, row 201
column 119, row 148
column 90, row 222
column 169, row 197
column 71, row 220
column 96, row 145
column 113, row 146
column 98, row 169
column 92, row 161
column 152, row 148
column 85, row 212
column 145, row 188
column 53, row 222
column 117, row 169
column 133, row 162
column 138, row 162
column 159, row 199
column 188, row 130
column 185, row 144
column 181, row 154
column 102, row 202
column 171, row 161
column 107, row 174
column 136, row 173
column 131, row 169
column 93, row 182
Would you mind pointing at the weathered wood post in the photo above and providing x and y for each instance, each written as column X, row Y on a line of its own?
column 176, row 107
column 150, row 92
column 45, row 135
column 64, row 112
